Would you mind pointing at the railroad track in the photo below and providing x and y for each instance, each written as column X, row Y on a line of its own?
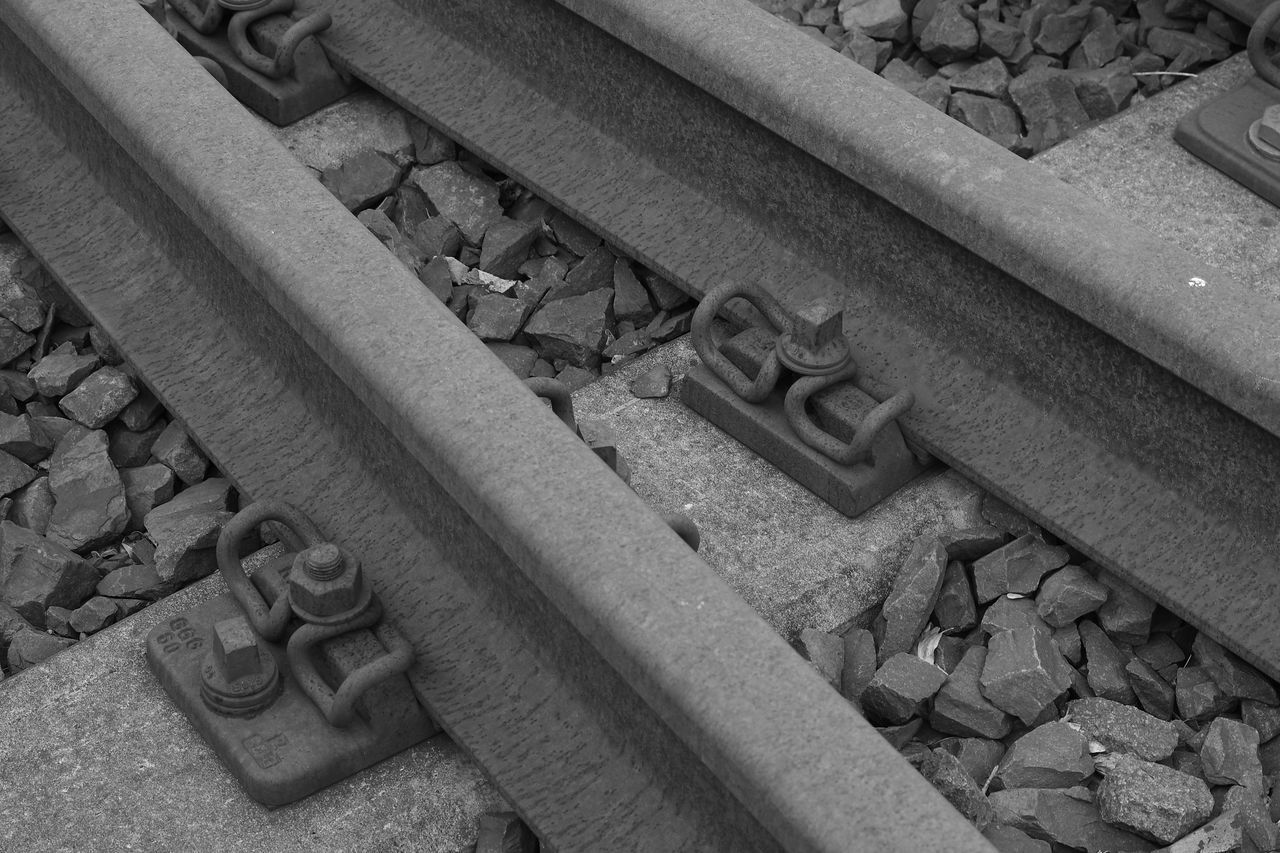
column 561, row 627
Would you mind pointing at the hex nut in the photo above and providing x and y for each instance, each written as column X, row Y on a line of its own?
column 236, row 648
column 326, row 597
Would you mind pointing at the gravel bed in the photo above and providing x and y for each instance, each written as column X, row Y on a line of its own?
column 107, row 504
column 1055, row 706
column 1026, row 74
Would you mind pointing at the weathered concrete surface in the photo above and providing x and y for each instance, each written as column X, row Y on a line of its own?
column 96, row 757
column 1131, row 164
column 794, row 559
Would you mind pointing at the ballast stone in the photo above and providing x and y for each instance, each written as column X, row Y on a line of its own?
column 1123, row 728
column 175, row 448
column 825, row 652
column 1006, row 839
column 1126, row 614
column 89, row 502
column 144, row 488
column 467, row 200
column 1024, row 672
column 573, row 328
column 1199, row 697
column 858, row 664
column 1236, row 678
column 878, row 19
column 1052, row 755
column 101, row 396
column 1068, row 594
column 36, row 574
column 949, row 777
column 130, row 449
column 94, row 615
column 1107, row 675
column 506, row 244
column 955, row 609
column 1017, row 567
column 362, row 179
column 900, row 688
column 978, row 756
column 912, row 597
column 1154, row 694
column 1229, row 754
column 33, row 506
column 1066, row 816
column 960, row 707
column 1152, row 800
column 653, row 384
column 949, row 36
column 61, row 370
column 21, row 438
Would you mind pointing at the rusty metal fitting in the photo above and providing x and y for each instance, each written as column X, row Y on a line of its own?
column 1256, row 45
column 204, row 16
column 326, row 586
column 816, row 345
column 859, row 449
column 1264, row 134
column 239, row 676
column 282, row 64
column 752, row 390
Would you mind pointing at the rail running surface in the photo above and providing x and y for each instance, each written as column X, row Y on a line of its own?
column 1117, row 389
column 619, row 693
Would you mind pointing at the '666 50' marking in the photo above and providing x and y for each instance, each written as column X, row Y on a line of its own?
column 180, row 634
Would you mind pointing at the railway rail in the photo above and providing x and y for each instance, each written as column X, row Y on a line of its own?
column 1058, row 354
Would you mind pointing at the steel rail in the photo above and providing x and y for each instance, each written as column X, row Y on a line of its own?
column 616, row 690
column 1117, row 389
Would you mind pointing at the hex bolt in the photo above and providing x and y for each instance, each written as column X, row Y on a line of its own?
column 324, row 562
column 816, row 344
column 236, row 648
column 1269, row 126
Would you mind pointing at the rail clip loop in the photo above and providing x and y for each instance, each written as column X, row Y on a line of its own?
column 292, row 676
column 266, row 59
column 789, row 394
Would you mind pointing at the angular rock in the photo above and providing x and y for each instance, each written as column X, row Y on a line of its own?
column 900, row 688
column 1236, row 678
column 1199, row 696
column 945, row 772
column 22, row 439
column 878, row 19
column 506, row 244
column 436, row 278
column 573, row 377
column 135, row 581
column 978, row 756
column 593, row 272
column 912, row 597
column 573, row 328
column 653, row 384
column 1154, row 694
column 1171, row 43
column 362, row 179
column 902, row 75
column 1149, row 799
column 866, row 51
column 13, row 341
column 101, row 396
column 1006, row 839
column 33, row 506
column 185, row 543
column 954, row 609
column 1067, row 639
column 573, row 236
column 1017, row 567
column 1107, row 675
column 142, row 412
column 1123, row 728
column 519, row 360
column 215, row 494
column 949, row 35
column 129, row 449
column 13, row 474
column 1002, row 40
column 630, row 300
column 30, row 647
column 1007, row 613
column 960, row 708
column 999, row 514
column 1106, row 91
column 1065, row 816
column 20, row 304
column 61, row 370
column 18, row 385
column 1048, row 97
column 1068, row 594
column 629, row 344
column 89, row 503
column 1126, row 615
column 176, row 449
column 144, row 489
column 971, row 543
column 825, row 652
column 1061, row 32
column 467, row 200
column 36, row 574
column 495, row 317
column 859, row 663
column 1230, row 754
column 1265, row 719
column 1223, row 834
column 58, row 620
column 1024, row 672
column 94, row 615
column 1164, row 655
column 994, row 119
column 437, row 236
column 1099, row 45
column 989, row 78
column 1053, row 755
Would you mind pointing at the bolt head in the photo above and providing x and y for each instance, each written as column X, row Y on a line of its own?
column 1269, row 126
column 816, row 344
column 235, row 648
column 330, row 596
column 324, row 561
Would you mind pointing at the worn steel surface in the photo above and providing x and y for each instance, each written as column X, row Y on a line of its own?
column 619, row 693
column 1113, row 386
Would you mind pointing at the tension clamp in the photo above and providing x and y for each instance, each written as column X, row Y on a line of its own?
column 790, row 394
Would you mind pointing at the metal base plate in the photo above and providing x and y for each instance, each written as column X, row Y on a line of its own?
column 314, row 83
column 851, row 489
column 289, row 750
column 1218, row 131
